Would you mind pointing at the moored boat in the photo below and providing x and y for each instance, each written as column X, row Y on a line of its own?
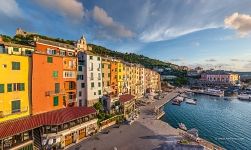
column 190, row 101
column 246, row 97
column 182, row 126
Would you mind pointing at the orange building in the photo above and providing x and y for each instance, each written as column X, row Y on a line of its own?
column 53, row 77
column 114, row 75
column 47, row 83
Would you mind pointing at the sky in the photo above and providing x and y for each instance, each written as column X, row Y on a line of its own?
column 208, row 33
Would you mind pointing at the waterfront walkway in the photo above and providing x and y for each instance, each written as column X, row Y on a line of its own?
column 146, row 133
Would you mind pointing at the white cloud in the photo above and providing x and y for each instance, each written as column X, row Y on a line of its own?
column 100, row 16
column 240, row 22
column 71, row 9
column 10, row 8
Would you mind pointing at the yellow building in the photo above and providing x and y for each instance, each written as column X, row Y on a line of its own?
column 120, row 77
column 14, row 86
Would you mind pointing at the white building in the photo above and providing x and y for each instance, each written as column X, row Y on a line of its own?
column 89, row 82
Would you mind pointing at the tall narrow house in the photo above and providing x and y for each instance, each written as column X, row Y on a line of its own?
column 89, row 75
column 15, row 73
column 53, row 76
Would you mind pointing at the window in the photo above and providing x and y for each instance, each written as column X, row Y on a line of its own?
column 103, row 75
column 9, row 87
column 103, row 65
column 28, row 52
column 15, row 65
column 94, row 93
column 99, row 92
column 80, row 77
column 15, row 105
column 92, row 76
column 15, row 49
column 49, row 59
column 92, row 84
column 82, row 85
column 70, row 54
column 109, row 66
column 109, row 74
column 21, row 87
column 91, row 57
column 57, row 87
column 79, row 93
column 99, row 84
column 62, row 53
column 98, row 58
column 108, row 83
column 119, row 70
column 80, row 68
column 55, row 101
column 1, row 88
column 55, row 74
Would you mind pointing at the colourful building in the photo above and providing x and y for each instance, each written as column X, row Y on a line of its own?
column 106, row 75
column 114, row 77
column 47, row 83
column 54, row 76
column 120, row 77
column 15, row 83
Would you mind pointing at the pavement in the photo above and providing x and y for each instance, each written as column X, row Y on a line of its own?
column 146, row 133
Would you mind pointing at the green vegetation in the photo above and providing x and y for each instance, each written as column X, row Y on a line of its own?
column 180, row 81
column 130, row 57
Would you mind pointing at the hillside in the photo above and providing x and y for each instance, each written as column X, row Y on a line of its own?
column 129, row 57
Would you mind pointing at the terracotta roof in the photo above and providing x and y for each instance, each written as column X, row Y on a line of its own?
column 56, row 117
column 126, row 97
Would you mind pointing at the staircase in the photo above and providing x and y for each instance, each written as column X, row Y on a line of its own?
column 37, row 139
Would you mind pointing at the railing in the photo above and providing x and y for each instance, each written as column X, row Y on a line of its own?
column 51, row 93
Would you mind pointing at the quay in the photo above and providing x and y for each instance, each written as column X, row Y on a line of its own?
column 146, row 133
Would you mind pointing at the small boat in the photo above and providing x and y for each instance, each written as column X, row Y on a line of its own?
column 190, row 101
column 246, row 97
column 182, row 126
column 176, row 103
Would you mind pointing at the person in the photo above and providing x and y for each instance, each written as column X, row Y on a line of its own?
column 115, row 148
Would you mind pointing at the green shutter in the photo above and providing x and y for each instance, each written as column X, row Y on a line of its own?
column 15, row 49
column 55, row 74
column 92, row 84
column 55, row 101
column 15, row 106
column 99, row 92
column 49, row 60
column 1, row 88
column 57, row 87
column 22, row 87
column 15, row 65
column 9, row 87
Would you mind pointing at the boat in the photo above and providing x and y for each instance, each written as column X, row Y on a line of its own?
column 246, row 97
column 214, row 92
column 182, row 126
column 190, row 101
column 176, row 103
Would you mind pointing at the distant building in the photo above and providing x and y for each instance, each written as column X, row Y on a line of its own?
column 20, row 31
column 219, row 77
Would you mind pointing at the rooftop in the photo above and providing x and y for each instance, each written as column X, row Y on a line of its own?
column 125, row 98
column 56, row 117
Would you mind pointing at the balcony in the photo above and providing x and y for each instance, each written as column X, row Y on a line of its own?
column 53, row 93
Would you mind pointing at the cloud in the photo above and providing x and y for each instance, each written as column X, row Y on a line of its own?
column 100, row 16
column 10, row 8
column 239, row 22
column 71, row 9
column 211, row 60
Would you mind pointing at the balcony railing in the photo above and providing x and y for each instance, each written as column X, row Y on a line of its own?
column 51, row 93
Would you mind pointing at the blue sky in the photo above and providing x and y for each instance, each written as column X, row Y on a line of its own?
column 207, row 33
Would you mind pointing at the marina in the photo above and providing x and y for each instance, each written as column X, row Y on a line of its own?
column 224, row 122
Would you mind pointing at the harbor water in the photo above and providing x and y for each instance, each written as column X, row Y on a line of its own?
column 226, row 123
